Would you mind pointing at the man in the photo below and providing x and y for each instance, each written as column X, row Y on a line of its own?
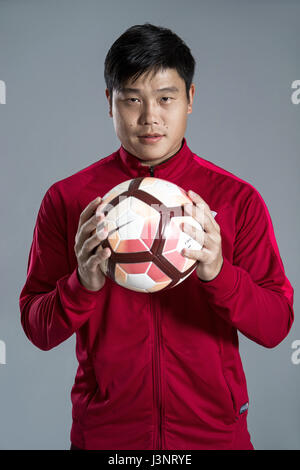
column 159, row 370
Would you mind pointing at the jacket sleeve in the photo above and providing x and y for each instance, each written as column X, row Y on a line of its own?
column 53, row 303
column 252, row 293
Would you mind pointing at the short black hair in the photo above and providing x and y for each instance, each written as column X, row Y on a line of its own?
column 147, row 48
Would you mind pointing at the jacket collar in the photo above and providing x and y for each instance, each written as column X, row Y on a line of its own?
column 171, row 168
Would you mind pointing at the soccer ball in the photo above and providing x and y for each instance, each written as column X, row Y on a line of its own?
column 143, row 218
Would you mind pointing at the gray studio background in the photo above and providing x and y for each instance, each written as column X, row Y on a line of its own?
column 55, row 122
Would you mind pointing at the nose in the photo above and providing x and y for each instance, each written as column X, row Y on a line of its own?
column 149, row 114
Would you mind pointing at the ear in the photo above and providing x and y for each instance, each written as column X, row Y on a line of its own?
column 191, row 95
column 109, row 101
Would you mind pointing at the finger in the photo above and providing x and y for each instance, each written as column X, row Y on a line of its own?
column 209, row 223
column 213, row 221
column 211, row 241
column 197, row 199
column 91, row 243
column 206, row 241
column 89, row 210
column 201, row 214
column 86, row 229
column 195, row 233
column 95, row 260
column 198, row 255
column 100, row 208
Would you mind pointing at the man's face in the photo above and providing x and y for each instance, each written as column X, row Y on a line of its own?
column 147, row 110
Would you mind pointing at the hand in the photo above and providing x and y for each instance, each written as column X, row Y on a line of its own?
column 89, row 272
column 210, row 256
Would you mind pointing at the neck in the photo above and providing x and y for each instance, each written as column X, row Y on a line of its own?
column 161, row 160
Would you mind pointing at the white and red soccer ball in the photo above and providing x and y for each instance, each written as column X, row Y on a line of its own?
column 144, row 235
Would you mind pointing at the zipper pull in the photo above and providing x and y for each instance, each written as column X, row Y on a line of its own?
column 151, row 171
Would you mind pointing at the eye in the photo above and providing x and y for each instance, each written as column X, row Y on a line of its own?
column 166, row 98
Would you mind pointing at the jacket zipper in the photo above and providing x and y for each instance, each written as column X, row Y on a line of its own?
column 159, row 403
column 157, row 382
column 157, row 366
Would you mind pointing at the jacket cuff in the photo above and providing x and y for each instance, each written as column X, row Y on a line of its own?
column 78, row 293
column 224, row 283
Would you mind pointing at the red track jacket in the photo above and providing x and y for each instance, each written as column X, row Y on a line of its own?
column 159, row 370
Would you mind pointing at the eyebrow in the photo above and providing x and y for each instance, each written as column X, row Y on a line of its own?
column 170, row 89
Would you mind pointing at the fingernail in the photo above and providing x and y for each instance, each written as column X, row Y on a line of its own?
column 106, row 252
column 99, row 210
column 99, row 214
column 188, row 207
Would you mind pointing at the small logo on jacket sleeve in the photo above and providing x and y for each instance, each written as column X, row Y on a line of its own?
column 244, row 408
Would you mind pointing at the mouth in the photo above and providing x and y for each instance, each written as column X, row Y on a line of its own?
column 151, row 137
